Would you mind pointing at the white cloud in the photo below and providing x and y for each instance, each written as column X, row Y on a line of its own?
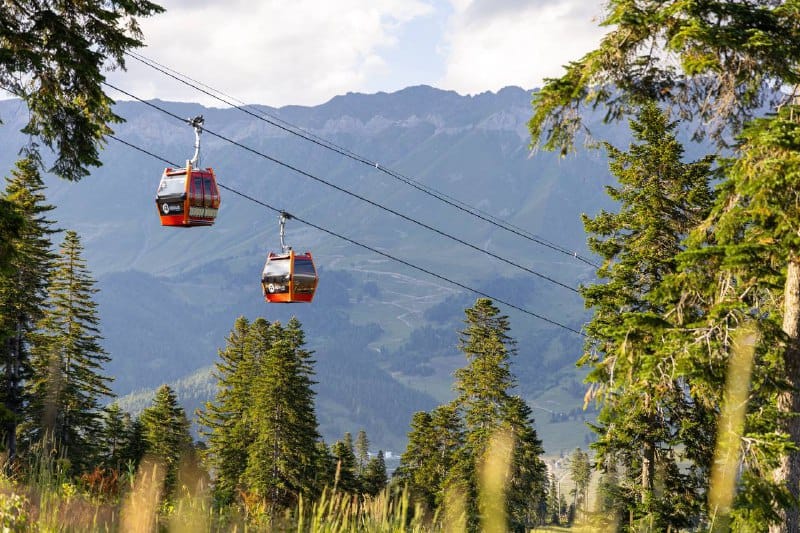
column 492, row 44
column 279, row 52
column 269, row 52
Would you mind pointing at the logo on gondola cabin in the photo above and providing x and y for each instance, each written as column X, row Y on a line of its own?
column 165, row 208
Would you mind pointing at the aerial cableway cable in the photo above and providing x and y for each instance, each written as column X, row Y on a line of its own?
column 350, row 193
column 329, row 145
column 364, row 246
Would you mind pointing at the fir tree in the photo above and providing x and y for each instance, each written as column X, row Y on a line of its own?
column 580, row 470
column 362, row 452
column 345, row 458
column 526, row 492
column 486, row 405
column 166, row 435
column 54, row 58
column 661, row 200
column 375, row 478
column 23, row 291
column 229, row 425
column 282, row 457
column 67, row 383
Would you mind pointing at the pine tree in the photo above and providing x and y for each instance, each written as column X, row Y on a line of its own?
column 23, row 292
column 526, row 492
column 229, row 425
column 362, row 452
column 486, row 405
column 661, row 200
column 67, row 383
column 54, row 58
column 345, row 458
column 730, row 59
column 112, row 439
column 282, row 457
column 375, row 477
column 553, row 514
column 166, row 435
column 580, row 470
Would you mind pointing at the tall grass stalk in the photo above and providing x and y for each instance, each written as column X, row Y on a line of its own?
column 731, row 425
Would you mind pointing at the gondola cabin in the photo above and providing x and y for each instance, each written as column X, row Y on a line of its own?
column 187, row 197
column 289, row 277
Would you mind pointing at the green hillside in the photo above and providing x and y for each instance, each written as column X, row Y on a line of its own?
column 384, row 334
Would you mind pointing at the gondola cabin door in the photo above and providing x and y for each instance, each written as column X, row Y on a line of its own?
column 188, row 197
column 289, row 278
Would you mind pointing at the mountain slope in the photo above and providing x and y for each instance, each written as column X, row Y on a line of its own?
column 384, row 334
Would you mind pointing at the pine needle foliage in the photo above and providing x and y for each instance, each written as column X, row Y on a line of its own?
column 23, row 291
column 67, row 384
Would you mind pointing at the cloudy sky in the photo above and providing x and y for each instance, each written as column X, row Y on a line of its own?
column 280, row 52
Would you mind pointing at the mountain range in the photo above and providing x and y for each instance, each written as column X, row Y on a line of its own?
column 385, row 334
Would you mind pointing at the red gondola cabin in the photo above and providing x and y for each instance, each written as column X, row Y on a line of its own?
column 289, row 277
column 188, row 197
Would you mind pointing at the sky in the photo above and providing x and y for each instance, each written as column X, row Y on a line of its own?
column 304, row 52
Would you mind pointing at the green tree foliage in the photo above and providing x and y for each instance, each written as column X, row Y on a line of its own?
column 717, row 61
column 362, row 452
column 52, row 55
column 661, row 200
column 281, row 459
column 229, row 426
column 430, row 456
column 121, row 441
column 67, row 385
column 375, row 477
column 165, row 429
column 446, row 446
column 23, row 291
column 10, row 226
column 743, row 266
column 580, row 470
column 486, row 405
column 261, row 427
column 345, row 459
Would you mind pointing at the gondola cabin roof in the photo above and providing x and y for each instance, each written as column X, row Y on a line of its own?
column 289, row 277
column 187, row 197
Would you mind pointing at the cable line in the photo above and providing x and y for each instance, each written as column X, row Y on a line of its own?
column 350, row 193
column 329, row 145
column 364, row 246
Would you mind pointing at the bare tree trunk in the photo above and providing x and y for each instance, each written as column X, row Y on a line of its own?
column 788, row 473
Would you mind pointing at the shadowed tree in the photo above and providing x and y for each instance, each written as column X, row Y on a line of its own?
column 67, row 384
column 53, row 55
column 23, row 290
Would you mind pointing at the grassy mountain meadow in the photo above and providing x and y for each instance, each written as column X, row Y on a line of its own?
column 384, row 335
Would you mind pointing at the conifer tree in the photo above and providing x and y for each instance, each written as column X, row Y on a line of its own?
column 661, row 200
column 282, row 456
column 553, row 513
column 375, row 477
column 720, row 61
column 345, row 458
column 486, row 405
column 54, row 55
column 23, row 291
column 113, row 438
column 526, row 493
column 362, row 452
column 580, row 470
column 67, row 383
column 229, row 425
column 166, row 435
